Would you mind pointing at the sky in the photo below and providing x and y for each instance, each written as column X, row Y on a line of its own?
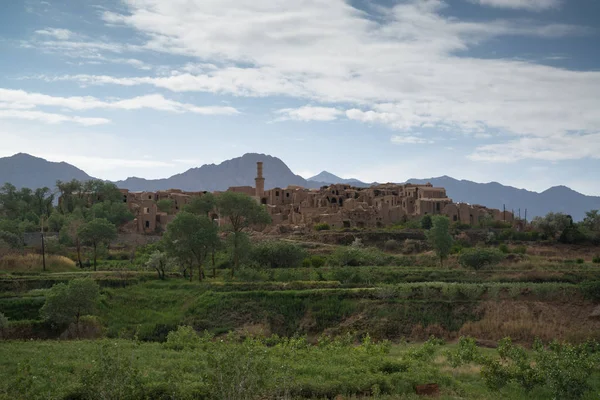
column 386, row 90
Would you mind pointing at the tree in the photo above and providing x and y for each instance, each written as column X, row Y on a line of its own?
column 160, row 262
column 68, row 303
column 56, row 221
column 69, row 233
column 116, row 212
column 189, row 238
column 426, row 222
column 440, row 238
column 553, row 224
column 97, row 232
column 592, row 220
column 241, row 212
column 201, row 205
column 165, row 205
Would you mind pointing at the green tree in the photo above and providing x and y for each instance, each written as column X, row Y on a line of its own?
column 426, row 222
column 201, row 205
column 241, row 212
column 553, row 224
column 95, row 233
column 56, row 221
column 160, row 262
column 68, row 303
column 592, row 220
column 69, row 233
column 189, row 238
column 165, row 205
column 440, row 238
column 116, row 212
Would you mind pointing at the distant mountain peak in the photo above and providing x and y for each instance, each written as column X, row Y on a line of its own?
column 324, row 176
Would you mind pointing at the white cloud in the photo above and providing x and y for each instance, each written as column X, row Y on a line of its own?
column 60, row 34
column 50, row 118
column 399, row 67
column 23, row 99
column 533, row 5
column 399, row 139
column 557, row 148
column 309, row 113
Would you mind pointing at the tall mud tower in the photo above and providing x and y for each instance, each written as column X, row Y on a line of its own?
column 260, row 181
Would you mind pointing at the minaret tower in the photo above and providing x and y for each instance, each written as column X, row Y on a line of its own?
column 260, row 181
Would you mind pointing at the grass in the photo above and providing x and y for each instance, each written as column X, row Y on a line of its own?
column 33, row 263
column 51, row 369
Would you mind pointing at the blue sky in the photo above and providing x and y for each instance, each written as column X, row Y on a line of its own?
column 486, row 90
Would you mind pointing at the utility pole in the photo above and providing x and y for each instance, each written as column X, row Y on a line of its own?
column 43, row 245
column 525, row 215
column 504, row 212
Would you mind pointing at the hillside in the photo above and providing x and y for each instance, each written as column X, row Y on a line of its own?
column 239, row 171
column 24, row 170
column 496, row 195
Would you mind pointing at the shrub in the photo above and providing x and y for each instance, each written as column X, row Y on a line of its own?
column 478, row 258
column 562, row 368
column 580, row 261
column 184, row 338
column 465, row 353
column 278, row 254
column 356, row 256
column 596, row 259
column 391, row 245
column 322, row 227
column 3, row 324
column 411, row 246
column 504, row 248
column 520, row 250
column 590, row 290
column 306, row 263
column 317, row 261
column 113, row 376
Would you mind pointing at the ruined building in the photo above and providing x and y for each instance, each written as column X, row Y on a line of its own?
column 338, row 205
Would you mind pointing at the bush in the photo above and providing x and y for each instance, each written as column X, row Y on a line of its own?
column 391, row 245
column 504, row 248
column 580, row 261
column 356, row 256
column 184, row 338
column 465, row 353
column 596, row 260
column 317, row 261
column 411, row 246
column 520, row 250
column 322, row 227
column 590, row 290
column 478, row 258
column 278, row 254
column 113, row 376
column 3, row 324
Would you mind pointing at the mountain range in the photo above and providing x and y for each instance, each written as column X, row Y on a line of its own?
column 23, row 170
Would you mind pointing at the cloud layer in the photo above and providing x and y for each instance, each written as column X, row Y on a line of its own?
column 403, row 66
column 20, row 104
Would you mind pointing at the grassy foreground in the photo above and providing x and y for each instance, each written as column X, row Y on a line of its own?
column 191, row 367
